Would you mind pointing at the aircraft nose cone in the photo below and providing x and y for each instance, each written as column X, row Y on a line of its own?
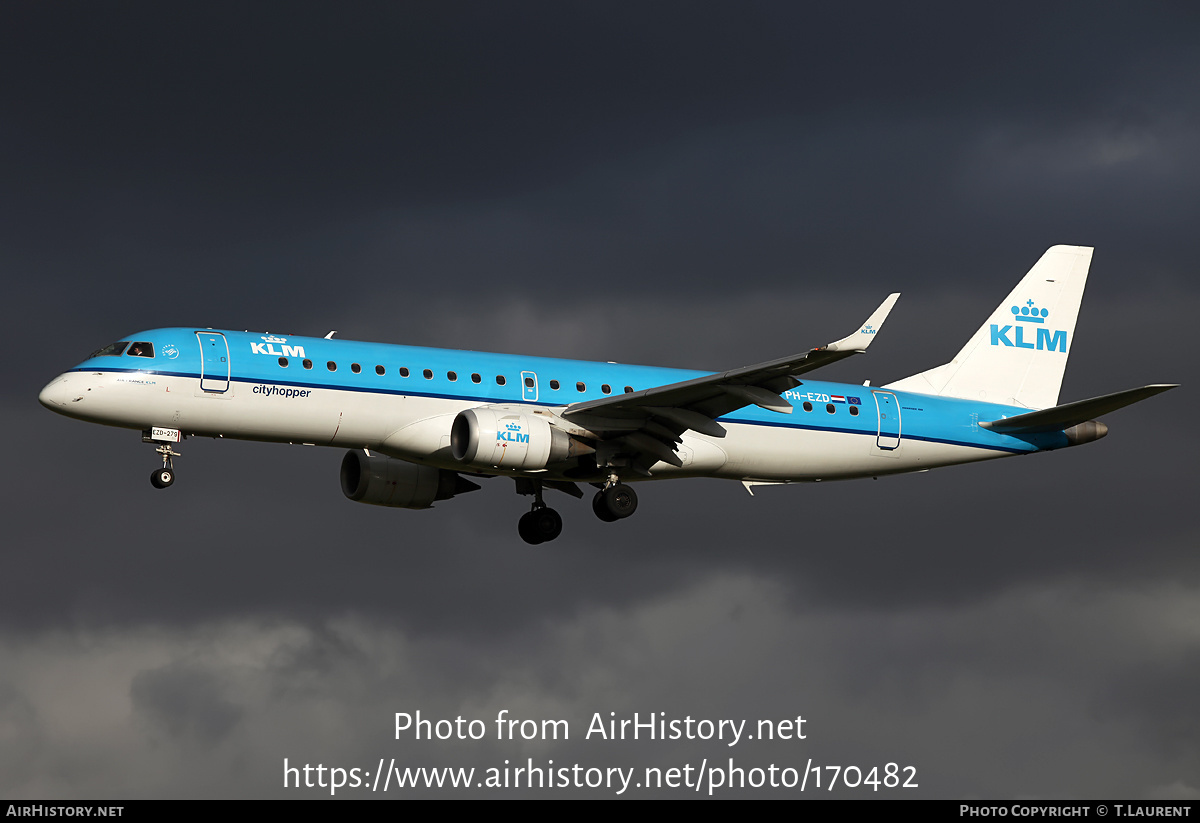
column 54, row 395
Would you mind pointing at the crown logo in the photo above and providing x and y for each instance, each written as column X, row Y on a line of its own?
column 1029, row 313
column 513, row 427
column 270, row 338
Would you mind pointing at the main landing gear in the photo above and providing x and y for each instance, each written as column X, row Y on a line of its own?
column 614, row 502
column 540, row 524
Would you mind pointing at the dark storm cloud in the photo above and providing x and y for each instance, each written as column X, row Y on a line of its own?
column 215, row 128
column 184, row 702
column 377, row 159
column 702, row 186
column 1007, row 691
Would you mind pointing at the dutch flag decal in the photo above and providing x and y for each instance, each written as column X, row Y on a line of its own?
column 838, row 398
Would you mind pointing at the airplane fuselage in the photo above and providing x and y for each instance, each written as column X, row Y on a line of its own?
column 401, row 401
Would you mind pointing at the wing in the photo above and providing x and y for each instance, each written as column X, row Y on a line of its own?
column 643, row 427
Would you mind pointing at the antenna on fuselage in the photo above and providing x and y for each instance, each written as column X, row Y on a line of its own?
column 331, row 334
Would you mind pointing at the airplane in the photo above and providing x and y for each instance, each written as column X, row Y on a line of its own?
column 422, row 424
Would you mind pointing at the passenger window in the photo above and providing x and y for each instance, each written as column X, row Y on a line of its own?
column 307, row 364
column 629, row 389
column 404, row 371
column 554, row 384
column 283, row 362
column 500, row 381
column 829, row 407
column 607, row 389
column 854, row 411
column 111, row 350
column 451, row 376
column 475, row 378
column 807, row 406
column 428, row 374
column 331, row 366
column 142, row 349
column 580, row 387
column 354, row 367
column 380, row 370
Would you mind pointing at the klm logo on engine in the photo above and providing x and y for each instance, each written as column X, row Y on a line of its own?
column 1045, row 339
column 269, row 347
column 512, row 434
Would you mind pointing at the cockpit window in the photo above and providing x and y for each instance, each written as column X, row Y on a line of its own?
column 111, row 350
column 141, row 349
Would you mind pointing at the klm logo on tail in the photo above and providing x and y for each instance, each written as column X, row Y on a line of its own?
column 1046, row 339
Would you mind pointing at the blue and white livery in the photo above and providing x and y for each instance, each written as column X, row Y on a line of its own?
column 420, row 423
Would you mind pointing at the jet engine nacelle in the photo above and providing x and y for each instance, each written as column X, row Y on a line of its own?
column 384, row 481
column 499, row 438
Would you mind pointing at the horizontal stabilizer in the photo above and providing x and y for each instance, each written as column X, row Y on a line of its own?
column 1063, row 417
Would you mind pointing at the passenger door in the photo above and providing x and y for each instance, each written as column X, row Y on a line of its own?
column 886, row 405
column 214, row 362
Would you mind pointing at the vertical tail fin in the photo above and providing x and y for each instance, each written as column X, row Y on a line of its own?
column 1019, row 354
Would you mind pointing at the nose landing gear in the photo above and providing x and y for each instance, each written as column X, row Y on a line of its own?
column 164, row 477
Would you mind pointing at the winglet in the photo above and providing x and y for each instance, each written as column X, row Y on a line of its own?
column 863, row 337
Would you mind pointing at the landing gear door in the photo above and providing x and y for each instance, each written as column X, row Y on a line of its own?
column 214, row 362
column 529, row 387
column 888, row 408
